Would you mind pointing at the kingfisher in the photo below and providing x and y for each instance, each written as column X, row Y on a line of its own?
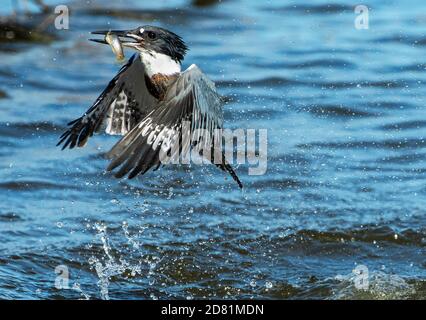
column 147, row 103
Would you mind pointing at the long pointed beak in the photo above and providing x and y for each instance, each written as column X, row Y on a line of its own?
column 98, row 41
column 119, row 33
column 122, row 34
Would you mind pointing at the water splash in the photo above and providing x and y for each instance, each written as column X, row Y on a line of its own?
column 76, row 287
column 113, row 263
column 112, row 266
column 381, row 286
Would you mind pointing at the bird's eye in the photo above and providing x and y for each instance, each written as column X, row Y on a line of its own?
column 151, row 35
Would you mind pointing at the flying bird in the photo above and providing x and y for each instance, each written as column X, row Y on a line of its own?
column 147, row 102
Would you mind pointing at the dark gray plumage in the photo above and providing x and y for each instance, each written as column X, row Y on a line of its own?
column 163, row 41
column 148, row 104
column 126, row 91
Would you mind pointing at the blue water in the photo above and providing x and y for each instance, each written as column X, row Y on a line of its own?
column 345, row 185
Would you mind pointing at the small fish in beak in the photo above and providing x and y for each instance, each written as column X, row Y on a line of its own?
column 115, row 45
column 118, row 39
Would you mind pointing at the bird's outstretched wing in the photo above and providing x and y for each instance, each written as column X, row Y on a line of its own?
column 192, row 97
column 123, row 103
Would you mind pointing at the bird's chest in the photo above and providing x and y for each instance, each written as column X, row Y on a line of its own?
column 160, row 71
column 158, row 83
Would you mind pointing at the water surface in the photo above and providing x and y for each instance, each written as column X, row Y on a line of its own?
column 345, row 184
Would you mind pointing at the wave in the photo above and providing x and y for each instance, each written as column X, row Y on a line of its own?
column 410, row 40
column 123, row 255
column 280, row 184
column 367, row 234
column 316, row 63
column 404, row 125
column 333, row 8
column 20, row 129
column 339, row 111
column 28, row 185
column 10, row 217
column 380, row 286
column 395, row 144
column 278, row 81
column 404, row 159
column 265, row 82
column 172, row 15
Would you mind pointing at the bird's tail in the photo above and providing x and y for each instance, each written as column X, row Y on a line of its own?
column 227, row 167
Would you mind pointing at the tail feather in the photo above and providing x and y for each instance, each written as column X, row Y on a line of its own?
column 225, row 166
column 228, row 168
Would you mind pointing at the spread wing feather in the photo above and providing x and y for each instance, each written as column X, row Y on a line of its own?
column 192, row 97
column 123, row 103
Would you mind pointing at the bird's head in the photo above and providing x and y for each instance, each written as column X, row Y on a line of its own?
column 150, row 39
